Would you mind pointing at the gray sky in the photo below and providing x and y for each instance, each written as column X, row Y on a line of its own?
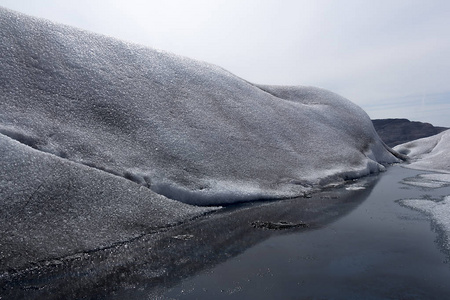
column 390, row 57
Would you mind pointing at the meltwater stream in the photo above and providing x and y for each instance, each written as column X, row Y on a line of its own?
column 379, row 250
column 351, row 242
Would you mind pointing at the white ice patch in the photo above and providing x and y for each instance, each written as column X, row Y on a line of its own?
column 431, row 153
column 429, row 180
column 439, row 211
column 355, row 187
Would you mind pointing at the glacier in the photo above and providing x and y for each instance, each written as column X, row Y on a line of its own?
column 104, row 140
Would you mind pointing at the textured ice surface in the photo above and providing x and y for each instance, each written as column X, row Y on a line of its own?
column 438, row 210
column 185, row 129
column 51, row 207
column 431, row 153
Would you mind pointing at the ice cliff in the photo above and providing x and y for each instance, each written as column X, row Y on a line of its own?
column 181, row 128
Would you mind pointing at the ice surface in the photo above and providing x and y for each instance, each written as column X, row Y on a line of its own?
column 95, row 132
column 51, row 207
column 185, row 129
column 431, row 153
column 438, row 210
column 432, row 180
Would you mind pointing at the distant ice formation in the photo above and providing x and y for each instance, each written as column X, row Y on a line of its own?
column 431, row 153
column 95, row 133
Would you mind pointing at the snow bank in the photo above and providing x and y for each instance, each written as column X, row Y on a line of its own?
column 182, row 128
column 431, row 153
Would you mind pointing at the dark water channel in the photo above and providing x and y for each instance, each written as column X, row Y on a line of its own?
column 356, row 243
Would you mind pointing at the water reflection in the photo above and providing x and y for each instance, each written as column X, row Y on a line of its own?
column 148, row 266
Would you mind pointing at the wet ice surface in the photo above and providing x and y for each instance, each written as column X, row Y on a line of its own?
column 429, row 180
column 437, row 208
column 358, row 244
column 432, row 154
column 379, row 250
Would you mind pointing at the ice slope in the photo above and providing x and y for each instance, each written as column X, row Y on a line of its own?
column 185, row 129
column 51, row 207
column 431, row 153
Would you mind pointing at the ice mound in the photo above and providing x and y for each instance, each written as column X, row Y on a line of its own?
column 431, row 153
column 184, row 129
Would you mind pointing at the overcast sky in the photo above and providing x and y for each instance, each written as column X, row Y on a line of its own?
column 390, row 57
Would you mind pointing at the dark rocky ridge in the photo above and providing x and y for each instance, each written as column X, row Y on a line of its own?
column 398, row 131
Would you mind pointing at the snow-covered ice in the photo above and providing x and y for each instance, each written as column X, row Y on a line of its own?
column 431, row 153
column 95, row 133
